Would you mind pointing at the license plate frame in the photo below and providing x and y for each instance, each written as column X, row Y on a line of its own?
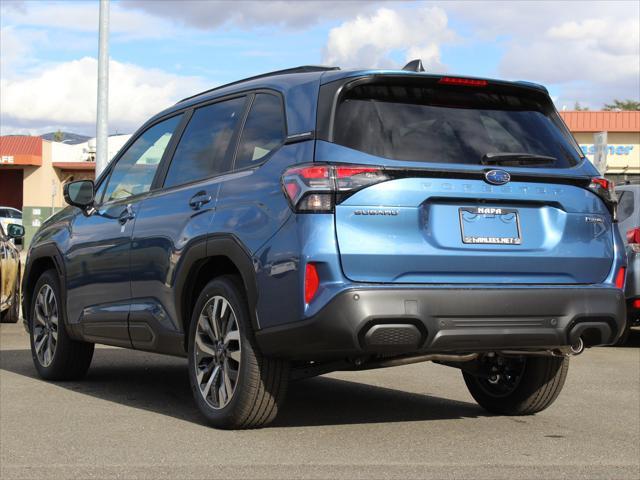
column 490, row 216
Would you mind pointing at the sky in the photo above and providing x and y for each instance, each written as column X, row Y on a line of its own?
column 162, row 51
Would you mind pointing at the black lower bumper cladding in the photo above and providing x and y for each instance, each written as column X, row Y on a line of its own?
column 384, row 320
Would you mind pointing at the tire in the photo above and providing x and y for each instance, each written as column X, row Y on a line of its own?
column 539, row 383
column 68, row 359
column 12, row 314
column 222, row 350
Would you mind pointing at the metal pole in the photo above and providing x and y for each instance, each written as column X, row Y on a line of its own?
column 102, row 124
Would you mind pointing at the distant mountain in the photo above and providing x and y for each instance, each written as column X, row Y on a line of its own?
column 68, row 137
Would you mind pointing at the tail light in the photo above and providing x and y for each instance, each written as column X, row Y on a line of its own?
column 318, row 188
column 311, row 282
column 605, row 189
column 633, row 236
column 636, row 303
column 620, row 278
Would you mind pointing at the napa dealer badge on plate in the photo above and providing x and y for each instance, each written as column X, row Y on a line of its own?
column 490, row 225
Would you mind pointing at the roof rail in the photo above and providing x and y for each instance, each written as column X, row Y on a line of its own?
column 300, row 69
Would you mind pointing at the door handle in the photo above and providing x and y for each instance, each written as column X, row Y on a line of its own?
column 126, row 215
column 199, row 199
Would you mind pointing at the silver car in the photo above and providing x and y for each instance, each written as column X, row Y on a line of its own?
column 9, row 215
column 629, row 226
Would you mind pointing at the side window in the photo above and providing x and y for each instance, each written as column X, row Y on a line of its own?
column 263, row 131
column 203, row 147
column 100, row 191
column 625, row 205
column 134, row 172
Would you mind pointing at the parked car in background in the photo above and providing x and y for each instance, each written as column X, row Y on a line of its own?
column 317, row 219
column 10, row 273
column 629, row 226
column 10, row 215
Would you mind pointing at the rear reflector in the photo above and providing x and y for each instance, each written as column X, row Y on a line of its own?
column 636, row 303
column 620, row 277
column 633, row 235
column 467, row 82
column 311, row 282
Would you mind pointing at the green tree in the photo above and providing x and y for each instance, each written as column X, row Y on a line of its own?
column 579, row 108
column 58, row 136
column 623, row 105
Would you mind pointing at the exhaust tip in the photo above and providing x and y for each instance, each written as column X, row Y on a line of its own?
column 577, row 347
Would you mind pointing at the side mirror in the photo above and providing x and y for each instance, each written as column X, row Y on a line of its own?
column 15, row 231
column 79, row 193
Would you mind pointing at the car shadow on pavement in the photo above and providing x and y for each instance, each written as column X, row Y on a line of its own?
column 331, row 401
column 159, row 383
column 634, row 338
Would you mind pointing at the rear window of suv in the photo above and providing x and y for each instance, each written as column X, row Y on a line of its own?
column 432, row 123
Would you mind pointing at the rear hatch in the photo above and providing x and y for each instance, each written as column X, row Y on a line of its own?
column 482, row 184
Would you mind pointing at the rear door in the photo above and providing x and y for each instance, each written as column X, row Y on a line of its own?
column 250, row 205
column 173, row 222
column 443, row 217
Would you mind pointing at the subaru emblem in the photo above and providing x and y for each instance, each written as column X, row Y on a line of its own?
column 497, row 177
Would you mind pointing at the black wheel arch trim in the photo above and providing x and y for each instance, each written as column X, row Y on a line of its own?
column 216, row 245
column 51, row 252
column 232, row 247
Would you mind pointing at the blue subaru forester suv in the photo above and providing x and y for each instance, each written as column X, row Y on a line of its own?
column 316, row 219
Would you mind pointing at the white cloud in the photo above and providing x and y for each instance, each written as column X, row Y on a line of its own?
column 587, row 52
column 592, row 61
column 491, row 19
column 83, row 17
column 13, row 48
column 65, row 95
column 595, row 49
column 610, row 35
column 372, row 40
column 289, row 14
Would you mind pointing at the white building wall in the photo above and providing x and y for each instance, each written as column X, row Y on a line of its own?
column 83, row 152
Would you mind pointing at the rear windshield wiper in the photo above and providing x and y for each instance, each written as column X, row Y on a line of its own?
column 515, row 159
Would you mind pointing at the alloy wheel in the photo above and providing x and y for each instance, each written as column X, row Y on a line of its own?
column 45, row 325
column 504, row 375
column 217, row 352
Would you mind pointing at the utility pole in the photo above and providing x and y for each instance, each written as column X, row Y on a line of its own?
column 102, row 123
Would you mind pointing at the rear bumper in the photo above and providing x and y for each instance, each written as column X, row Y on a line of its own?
column 362, row 321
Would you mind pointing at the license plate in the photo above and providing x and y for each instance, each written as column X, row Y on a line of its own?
column 490, row 225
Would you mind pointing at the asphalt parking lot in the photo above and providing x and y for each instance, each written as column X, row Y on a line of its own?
column 133, row 417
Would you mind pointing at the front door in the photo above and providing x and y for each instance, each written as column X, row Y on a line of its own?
column 98, row 258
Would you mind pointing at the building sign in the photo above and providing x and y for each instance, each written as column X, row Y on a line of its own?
column 611, row 149
column 6, row 159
